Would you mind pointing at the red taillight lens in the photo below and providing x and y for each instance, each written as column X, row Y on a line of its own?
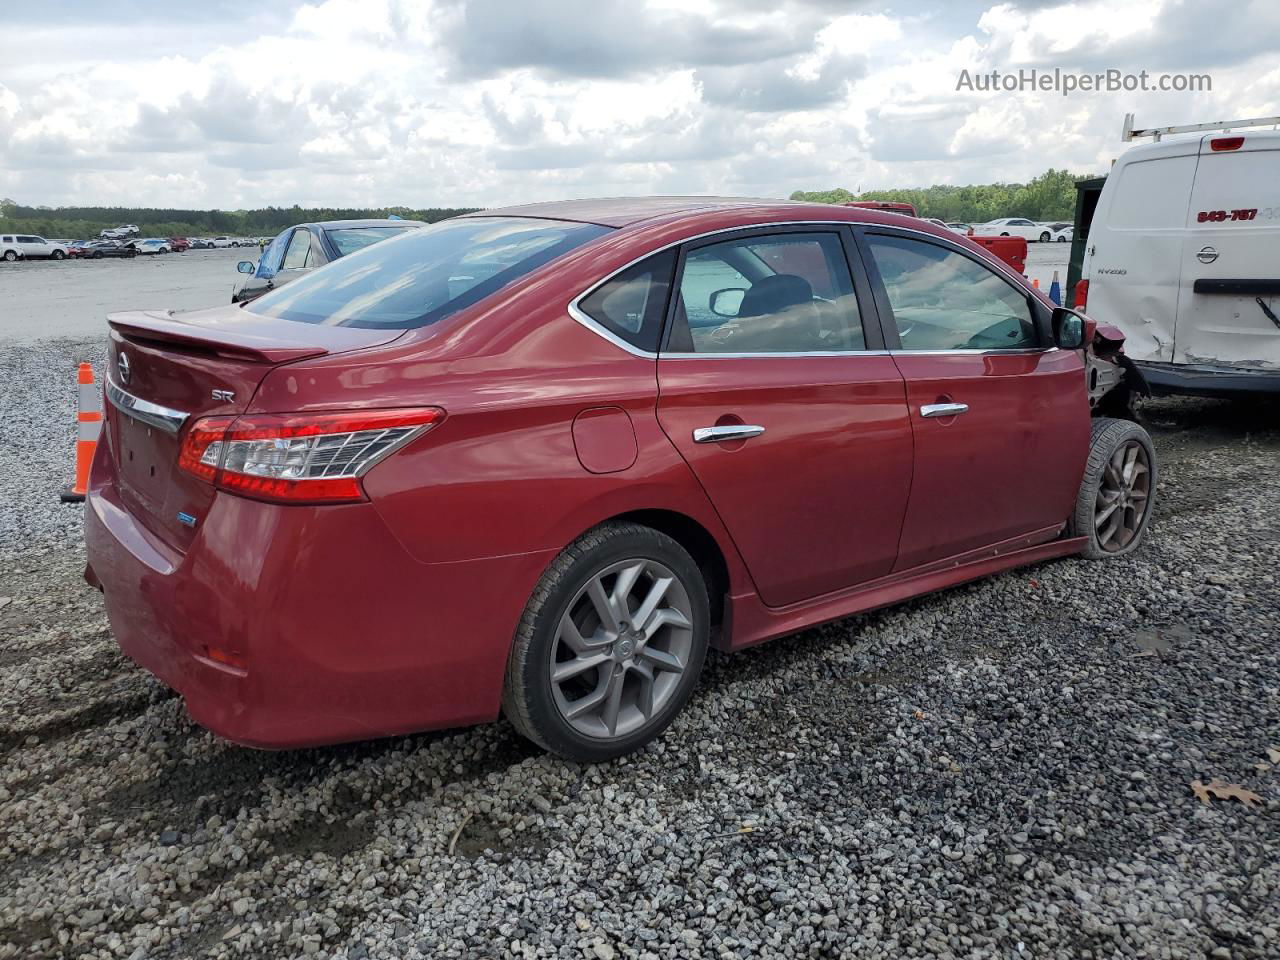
column 299, row 458
column 1219, row 144
column 1082, row 294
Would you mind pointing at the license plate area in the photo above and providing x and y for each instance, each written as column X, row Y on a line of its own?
column 146, row 456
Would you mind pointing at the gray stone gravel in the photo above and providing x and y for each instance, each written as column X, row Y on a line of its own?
column 999, row 770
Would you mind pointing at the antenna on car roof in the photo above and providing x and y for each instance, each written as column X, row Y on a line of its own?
column 1127, row 132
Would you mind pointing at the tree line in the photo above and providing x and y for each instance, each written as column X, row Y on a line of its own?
column 1050, row 196
column 78, row 223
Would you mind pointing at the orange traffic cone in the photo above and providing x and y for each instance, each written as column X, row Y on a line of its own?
column 1035, row 282
column 89, row 426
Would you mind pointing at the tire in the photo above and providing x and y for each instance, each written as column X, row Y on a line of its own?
column 1045, row 237
column 1062, row 239
column 1004, row 234
column 1109, row 445
column 625, row 661
column 97, row 255
column 58, row 255
column 10, row 256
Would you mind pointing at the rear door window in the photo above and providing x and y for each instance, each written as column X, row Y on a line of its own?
column 777, row 293
column 943, row 300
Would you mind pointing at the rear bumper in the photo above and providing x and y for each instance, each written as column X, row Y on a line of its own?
column 1203, row 380
column 341, row 634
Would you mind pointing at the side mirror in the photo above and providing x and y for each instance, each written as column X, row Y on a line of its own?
column 1071, row 330
column 246, row 266
column 727, row 302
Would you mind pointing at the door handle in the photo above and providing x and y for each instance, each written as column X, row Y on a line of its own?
column 732, row 431
column 943, row 409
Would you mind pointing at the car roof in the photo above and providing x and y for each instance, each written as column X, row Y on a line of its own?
column 625, row 211
column 343, row 224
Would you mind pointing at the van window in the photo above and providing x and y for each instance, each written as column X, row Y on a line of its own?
column 1244, row 180
column 1152, row 194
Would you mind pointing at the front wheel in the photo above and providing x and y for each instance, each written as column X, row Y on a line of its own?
column 58, row 254
column 1118, row 491
column 1044, row 237
column 610, row 645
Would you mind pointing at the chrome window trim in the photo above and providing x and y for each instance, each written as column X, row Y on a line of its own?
column 166, row 418
column 577, row 313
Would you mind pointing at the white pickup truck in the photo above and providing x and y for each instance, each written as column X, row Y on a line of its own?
column 20, row 246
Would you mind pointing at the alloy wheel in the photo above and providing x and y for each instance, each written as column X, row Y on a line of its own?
column 620, row 648
column 1123, row 497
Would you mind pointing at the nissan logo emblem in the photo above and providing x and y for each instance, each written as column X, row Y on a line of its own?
column 122, row 364
column 1207, row 255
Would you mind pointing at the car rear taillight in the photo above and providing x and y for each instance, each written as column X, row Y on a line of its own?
column 1219, row 144
column 1082, row 294
column 298, row 458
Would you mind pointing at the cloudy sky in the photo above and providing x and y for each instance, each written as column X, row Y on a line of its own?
column 222, row 103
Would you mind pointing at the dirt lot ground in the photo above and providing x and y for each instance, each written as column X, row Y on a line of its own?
column 1003, row 769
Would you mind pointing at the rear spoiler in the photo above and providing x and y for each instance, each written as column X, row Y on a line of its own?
column 1242, row 287
column 213, row 337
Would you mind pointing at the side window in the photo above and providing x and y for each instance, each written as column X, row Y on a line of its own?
column 299, row 253
column 632, row 304
column 29, row 240
column 782, row 293
column 943, row 300
column 269, row 262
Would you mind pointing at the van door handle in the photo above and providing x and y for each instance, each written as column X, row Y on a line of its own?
column 731, row 431
column 943, row 409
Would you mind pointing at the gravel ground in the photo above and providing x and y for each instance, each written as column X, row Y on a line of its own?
column 999, row 770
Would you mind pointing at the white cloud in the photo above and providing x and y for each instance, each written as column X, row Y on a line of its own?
column 471, row 102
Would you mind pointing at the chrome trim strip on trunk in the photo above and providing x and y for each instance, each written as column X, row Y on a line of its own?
column 166, row 418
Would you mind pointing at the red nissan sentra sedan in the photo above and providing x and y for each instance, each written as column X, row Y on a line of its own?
column 536, row 460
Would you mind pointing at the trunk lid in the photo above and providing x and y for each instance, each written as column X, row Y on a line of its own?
column 164, row 372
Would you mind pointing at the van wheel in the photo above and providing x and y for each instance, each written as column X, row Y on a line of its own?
column 610, row 645
column 1118, row 490
column 10, row 256
column 58, row 254
column 1044, row 237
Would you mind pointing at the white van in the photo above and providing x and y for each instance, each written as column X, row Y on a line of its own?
column 28, row 247
column 1183, row 256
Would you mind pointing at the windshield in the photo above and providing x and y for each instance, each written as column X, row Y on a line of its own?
column 425, row 275
column 351, row 239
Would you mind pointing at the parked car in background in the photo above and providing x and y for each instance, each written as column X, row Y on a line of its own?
column 76, row 247
column 98, row 249
column 179, row 244
column 150, row 245
column 199, row 243
column 300, row 249
column 347, row 464
column 960, row 228
column 1183, row 255
column 26, row 246
column 224, row 242
column 1061, row 232
column 120, row 233
column 1010, row 227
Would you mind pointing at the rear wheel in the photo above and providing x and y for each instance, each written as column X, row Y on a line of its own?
column 10, row 256
column 610, row 646
column 1044, row 237
column 1118, row 491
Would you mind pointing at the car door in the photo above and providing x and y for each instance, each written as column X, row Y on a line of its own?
column 1000, row 417
column 774, row 386
column 269, row 264
column 301, row 254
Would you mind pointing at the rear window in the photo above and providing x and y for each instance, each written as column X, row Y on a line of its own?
column 425, row 275
column 350, row 239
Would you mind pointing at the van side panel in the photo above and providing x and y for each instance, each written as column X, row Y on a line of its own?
column 1233, row 234
column 1136, row 248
